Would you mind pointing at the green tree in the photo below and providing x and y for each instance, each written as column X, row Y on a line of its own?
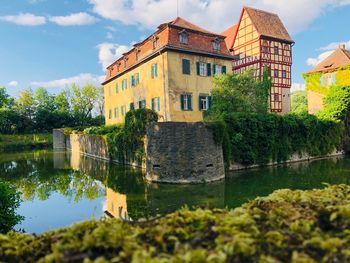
column 9, row 202
column 25, row 103
column 43, row 100
column 62, row 101
column 299, row 102
column 83, row 101
column 240, row 93
column 5, row 100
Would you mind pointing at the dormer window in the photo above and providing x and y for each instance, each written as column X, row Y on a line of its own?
column 137, row 54
column 110, row 72
column 118, row 67
column 183, row 37
column 125, row 62
column 216, row 44
column 154, row 41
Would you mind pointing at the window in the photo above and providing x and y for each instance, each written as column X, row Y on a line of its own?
column 132, row 81
column 204, row 102
column 322, row 81
column 217, row 69
column 154, row 70
column 276, row 50
column 110, row 114
column 275, row 73
column 137, row 78
column 110, row 72
column 186, row 67
column 156, row 104
column 132, row 106
column 203, row 69
column 265, row 50
column 123, row 110
column 284, row 74
column 116, row 112
column 124, row 84
column 125, row 62
column 216, row 45
column 186, row 102
column 276, row 97
column 142, row 104
column 334, row 79
column 184, row 37
column 137, row 54
column 116, row 88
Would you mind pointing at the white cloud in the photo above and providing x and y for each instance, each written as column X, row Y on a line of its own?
column 13, row 83
column 215, row 15
column 25, row 19
column 314, row 61
column 76, row 19
column 81, row 80
column 109, row 52
column 335, row 45
column 298, row 86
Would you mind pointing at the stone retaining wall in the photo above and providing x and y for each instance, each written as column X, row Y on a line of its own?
column 182, row 153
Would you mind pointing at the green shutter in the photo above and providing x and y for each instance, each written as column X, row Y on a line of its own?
column 158, row 104
column 208, row 69
column 182, row 97
column 153, row 108
column 132, row 106
column 155, row 70
column 186, row 67
column 210, row 101
column 198, row 69
column 189, row 98
column 116, row 88
column 214, row 69
column 152, row 71
column 224, row 70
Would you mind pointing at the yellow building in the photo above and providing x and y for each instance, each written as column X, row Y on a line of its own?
column 332, row 71
column 170, row 72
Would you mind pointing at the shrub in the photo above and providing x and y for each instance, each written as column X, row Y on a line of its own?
column 287, row 226
column 9, row 202
column 260, row 138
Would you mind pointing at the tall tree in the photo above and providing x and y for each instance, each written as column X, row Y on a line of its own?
column 299, row 102
column 5, row 100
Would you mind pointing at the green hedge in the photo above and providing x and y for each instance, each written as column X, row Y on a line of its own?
column 261, row 138
column 25, row 142
column 287, row 226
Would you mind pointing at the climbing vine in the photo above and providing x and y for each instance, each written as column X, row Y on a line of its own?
column 313, row 83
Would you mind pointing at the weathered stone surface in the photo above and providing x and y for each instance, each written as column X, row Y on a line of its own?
column 59, row 139
column 182, row 153
column 89, row 145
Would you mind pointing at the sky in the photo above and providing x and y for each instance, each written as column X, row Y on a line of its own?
column 53, row 44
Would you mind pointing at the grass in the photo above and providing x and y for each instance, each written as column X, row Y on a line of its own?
column 287, row 226
column 25, row 141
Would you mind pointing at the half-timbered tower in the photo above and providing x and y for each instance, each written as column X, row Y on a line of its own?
column 259, row 40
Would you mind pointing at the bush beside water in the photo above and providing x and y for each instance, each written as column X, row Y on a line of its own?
column 287, row 226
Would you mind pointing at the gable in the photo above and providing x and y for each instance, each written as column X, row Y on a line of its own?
column 246, row 30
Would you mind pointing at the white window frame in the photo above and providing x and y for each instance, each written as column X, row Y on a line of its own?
column 218, row 69
column 123, row 110
column 186, row 101
column 203, row 69
column 184, row 38
column 204, row 102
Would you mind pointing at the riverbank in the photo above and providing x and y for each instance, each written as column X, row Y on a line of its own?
column 286, row 226
column 25, row 142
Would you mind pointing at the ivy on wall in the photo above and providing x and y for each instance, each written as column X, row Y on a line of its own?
column 343, row 76
column 313, row 83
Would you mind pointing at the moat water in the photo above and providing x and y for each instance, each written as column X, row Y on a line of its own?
column 59, row 188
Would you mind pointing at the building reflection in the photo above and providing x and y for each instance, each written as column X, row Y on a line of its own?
column 116, row 205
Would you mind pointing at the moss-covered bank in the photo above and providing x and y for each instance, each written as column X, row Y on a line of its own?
column 287, row 226
column 25, row 142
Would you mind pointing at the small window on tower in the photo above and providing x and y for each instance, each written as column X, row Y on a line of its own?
column 154, row 41
column 265, row 50
column 275, row 73
column 284, row 74
column 276, row 97
column 276, row 50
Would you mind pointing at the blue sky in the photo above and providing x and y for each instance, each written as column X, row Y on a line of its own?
column 55, row 43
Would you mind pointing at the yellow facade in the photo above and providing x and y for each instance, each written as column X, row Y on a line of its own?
column 169, row 84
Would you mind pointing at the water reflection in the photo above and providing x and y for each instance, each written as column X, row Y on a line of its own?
column 60, row 188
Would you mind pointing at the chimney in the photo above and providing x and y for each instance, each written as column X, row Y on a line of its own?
column 342, row 46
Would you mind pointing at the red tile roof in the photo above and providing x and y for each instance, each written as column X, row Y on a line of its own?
column 180, row 22
column 268, row 24
column 339, row 58
column 230, row 34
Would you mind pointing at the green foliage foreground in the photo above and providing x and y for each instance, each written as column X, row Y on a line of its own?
column 9, row 202
column 287, row 226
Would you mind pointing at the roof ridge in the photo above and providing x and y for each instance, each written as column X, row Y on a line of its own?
column 260, row 10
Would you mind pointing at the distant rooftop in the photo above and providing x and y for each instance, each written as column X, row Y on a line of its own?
column 339, row 58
